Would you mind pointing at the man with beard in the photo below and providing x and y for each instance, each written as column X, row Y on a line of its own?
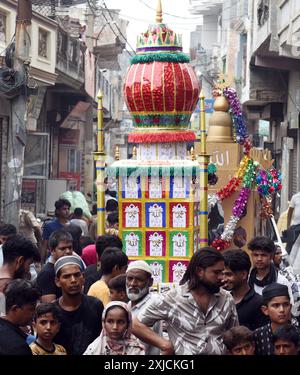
column 247, row 302
column 80, row 314
column 197, row 312
column 18, row 254
column 138, row 282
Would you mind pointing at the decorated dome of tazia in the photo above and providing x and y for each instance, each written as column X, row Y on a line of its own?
column 161, row 89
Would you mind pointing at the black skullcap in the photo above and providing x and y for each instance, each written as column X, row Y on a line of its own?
column 274, row 290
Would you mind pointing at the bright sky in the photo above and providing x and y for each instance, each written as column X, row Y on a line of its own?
column 139, row 15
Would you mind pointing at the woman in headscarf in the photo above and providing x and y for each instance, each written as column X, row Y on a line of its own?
column 116, row 337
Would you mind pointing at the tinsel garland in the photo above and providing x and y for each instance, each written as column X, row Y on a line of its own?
column 239, row 124
column 159, row 137
column 268, row 182
column 144, row 58
column 234, row 183
column 238, row 209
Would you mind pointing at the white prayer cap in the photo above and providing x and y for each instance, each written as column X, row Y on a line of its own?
column 139, row 265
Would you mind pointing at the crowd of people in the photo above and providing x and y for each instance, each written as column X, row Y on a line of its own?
column 69, row 293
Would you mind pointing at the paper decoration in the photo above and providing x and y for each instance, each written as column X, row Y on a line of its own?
column 179, row 187
column 158, row 270
column 179, row 215
column 133, row 243
column 148, row 151
column 179, row 244
column 177, row 270
column 181, row 150
column 166, row 151
column 155, row 215
column 131, row 215
column 155, row 187
column 155, row 244
column 131, row 187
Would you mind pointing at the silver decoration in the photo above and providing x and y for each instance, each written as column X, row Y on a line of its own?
column 229, row 229
column 212, row 200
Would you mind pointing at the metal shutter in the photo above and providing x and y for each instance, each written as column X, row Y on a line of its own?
column 293, row 171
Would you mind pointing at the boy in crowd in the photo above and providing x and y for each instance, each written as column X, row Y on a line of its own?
column 239, row 341
column 113, row 263
column 21, row 299
column 277, row 306
column 247, row 301
column 117, row 288
column 46, row 325
column 93, row 272
column 60, row 244
column 112, row 224
column 286, row 340
column 264, row 272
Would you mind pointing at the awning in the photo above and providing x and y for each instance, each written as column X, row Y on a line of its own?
column 78, row 113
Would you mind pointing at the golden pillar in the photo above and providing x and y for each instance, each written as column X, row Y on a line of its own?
column 203, row 159
column 99, row 157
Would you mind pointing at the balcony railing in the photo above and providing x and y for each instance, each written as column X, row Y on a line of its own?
column 70, row 55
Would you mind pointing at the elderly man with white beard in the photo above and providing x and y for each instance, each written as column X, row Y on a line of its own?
column 138, row 282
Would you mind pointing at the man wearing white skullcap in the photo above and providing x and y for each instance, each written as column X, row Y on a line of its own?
column 80, row 314
column 138, row 282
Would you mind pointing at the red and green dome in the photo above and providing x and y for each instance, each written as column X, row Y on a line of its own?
column 161, row 89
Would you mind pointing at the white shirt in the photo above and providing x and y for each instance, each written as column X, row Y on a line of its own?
column 82, row 224
column 295, row 203
column 280, row 280
column 157, row 327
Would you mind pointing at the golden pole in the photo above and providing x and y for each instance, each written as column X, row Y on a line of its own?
column 203, row 162
column 99, row 157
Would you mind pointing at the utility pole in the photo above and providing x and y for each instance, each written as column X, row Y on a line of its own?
column 89, row 134
column 17, row 135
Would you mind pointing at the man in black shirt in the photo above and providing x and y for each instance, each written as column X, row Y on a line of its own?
column 60, row 244
column 21, row 298
column 93, row 272
column 247, row 302
column 80, row 314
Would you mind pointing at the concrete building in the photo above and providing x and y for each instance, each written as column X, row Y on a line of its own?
column 50, row 149
column 257, row 43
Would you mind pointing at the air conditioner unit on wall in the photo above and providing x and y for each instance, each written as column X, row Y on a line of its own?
column 294, row 120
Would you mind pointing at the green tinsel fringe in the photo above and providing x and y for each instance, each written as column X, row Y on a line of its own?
column 160, row 56
column 152, row 171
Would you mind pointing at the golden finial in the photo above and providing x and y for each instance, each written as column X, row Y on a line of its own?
column 100, row 94
column 117, row 153
column 134, row 152
column 224, row 80
column 193, row 157
column 159, row 12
